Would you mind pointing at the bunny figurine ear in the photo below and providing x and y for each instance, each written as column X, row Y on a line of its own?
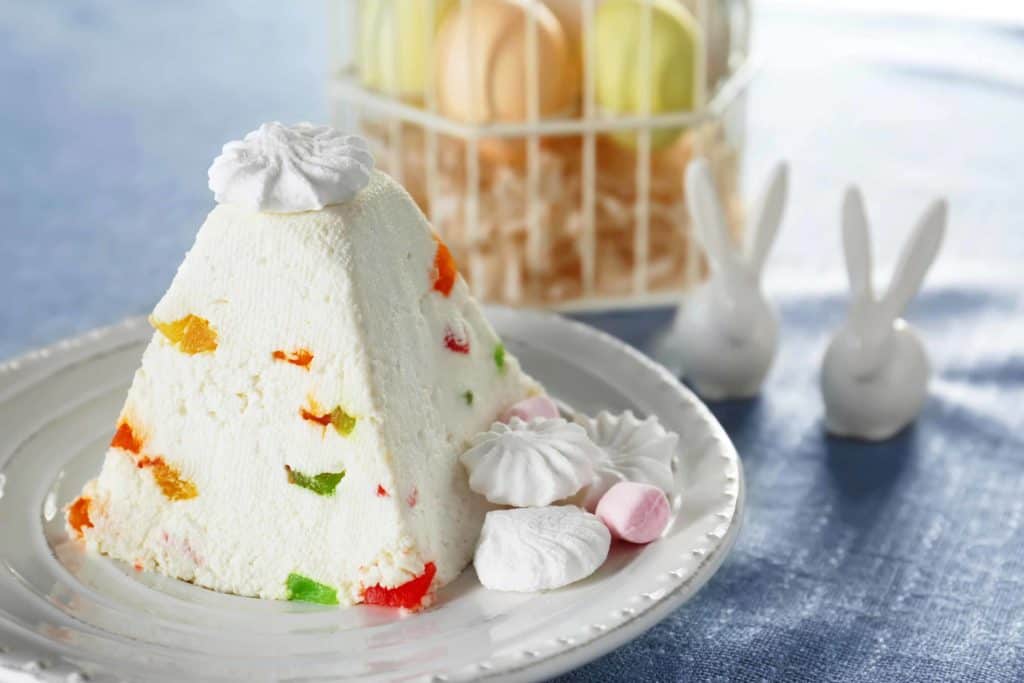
column 857, row 246
column 915, row 260
column 769, row 216
column 708, row 218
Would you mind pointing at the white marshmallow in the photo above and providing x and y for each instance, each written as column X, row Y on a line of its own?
column 537, row 549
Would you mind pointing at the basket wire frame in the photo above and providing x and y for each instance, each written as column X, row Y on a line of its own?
column 356, row 105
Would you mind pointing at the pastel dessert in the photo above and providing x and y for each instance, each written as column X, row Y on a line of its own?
column 481, row 62
column 395, row 38
column 547, row 469
column 531, row 408
column 317, row 368
column 634, row 512
column 530, row 464
column 482, row 69
column 540, row 548
column 630, row 83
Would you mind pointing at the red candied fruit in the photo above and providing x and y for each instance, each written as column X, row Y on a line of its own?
column 455, row 343
column 78, row 515
column 409, row 595
column 381, row 491
column 300, row 357
column 444, row 267
column 324, row 419
column 125, row 438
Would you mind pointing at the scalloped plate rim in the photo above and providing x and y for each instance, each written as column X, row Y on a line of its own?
column 24, row 370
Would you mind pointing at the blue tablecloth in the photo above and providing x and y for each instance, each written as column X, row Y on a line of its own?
column 896, row 561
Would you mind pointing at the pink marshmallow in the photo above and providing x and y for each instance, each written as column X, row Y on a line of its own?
column 529, row 408
column 634, row 512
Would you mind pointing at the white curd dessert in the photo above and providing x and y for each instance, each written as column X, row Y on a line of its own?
column 318, row 366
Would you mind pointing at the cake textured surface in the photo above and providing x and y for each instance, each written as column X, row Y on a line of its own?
column 295, row 425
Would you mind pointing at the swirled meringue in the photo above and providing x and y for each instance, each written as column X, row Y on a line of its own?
column 530, row 463
column 287, row 169
column 631, row 450
column 536, row 549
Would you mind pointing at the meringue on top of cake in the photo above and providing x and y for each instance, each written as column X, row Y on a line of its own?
column 318, row 365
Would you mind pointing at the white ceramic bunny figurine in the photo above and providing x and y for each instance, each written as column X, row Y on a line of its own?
column 875, row 374
column 725, row 330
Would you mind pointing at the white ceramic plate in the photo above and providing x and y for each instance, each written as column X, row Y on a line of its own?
column 65, row 615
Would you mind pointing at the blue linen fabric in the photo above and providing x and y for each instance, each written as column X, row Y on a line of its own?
column 858, row 562
column 901, row 560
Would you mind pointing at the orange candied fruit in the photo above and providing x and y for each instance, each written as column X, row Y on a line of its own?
column 169, row 479
column 125, row 438
column 300, row 357
column 190, row 334
column 409, row 595
column 78, row 515
column 444, row 268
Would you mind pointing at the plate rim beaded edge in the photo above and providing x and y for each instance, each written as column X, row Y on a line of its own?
column 24, row 369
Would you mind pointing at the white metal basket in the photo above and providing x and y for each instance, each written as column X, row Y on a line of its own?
column 574, row 221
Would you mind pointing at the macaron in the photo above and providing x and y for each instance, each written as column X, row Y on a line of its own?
column 481, row 68
column 394, row 36
column 634, row 512
column 675, row 75
column 570, row 15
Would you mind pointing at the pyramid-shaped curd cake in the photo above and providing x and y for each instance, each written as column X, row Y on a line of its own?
column 317, row 368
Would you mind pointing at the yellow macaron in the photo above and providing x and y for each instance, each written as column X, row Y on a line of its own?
column 394, row 37
column 674, row 79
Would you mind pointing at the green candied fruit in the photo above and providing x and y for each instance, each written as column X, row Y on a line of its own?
column 342, row 421
column 499, row 356
column 305, row 589
column 322, row 484
column 467, row 396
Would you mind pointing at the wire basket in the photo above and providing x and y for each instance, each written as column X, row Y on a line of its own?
column 582, row 207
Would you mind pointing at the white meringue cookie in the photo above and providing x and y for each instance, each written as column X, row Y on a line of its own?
column 631, row 450
column 287, row 169
column 536, row 549
column 530, row 463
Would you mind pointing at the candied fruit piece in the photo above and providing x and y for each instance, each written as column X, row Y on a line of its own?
column 342, row 421
column 409, row 595
column 454, row 342
column 322, row 484
column 190, row 334
column 125, row 438
column 300, row 357
column 499, row 356
column 444, row 268
column 381, row 491
column 305, row 589
column 324, row 419
column 78, row 515
column 467, row 396
column 413, row 497
column 169, row 479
